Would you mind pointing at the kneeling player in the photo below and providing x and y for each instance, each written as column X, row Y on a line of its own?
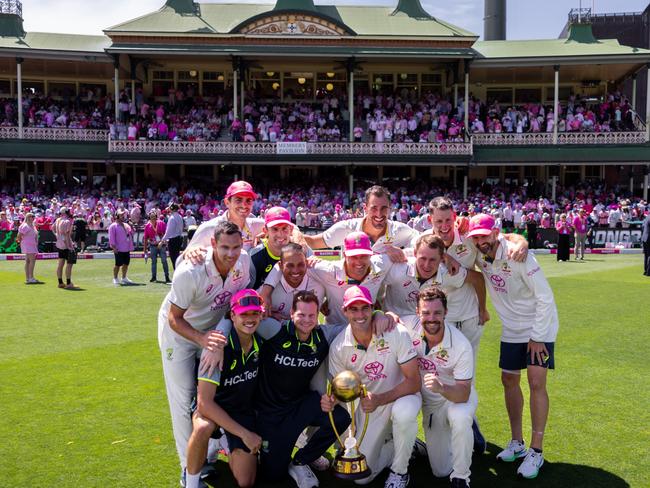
column 387, row 366
column 449, row 401
column 225, row 399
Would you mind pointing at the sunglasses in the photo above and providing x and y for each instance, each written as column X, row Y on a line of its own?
column 249, row 301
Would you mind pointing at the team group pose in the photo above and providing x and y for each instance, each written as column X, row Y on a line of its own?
column 246, row 362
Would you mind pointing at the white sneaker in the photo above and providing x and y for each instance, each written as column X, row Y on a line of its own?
column 395, row 480
column 126, row 281
column 303, row 476
column 116, row 282
column 514, row 450
column 320, row 464
column 529, row 469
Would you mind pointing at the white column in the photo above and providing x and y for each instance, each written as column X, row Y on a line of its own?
column 632, row 184
column 19, row 79
column 465, row 187
column 117, row 93
column 466, row 108
column 242, row 96
column 553, row 187
column 351, row 105
column 556, row 105
column 133, row 91
column 647, row 108
column 455, row 95
column 234, row 95
column 119, row 184
column 350, row 185
column 22, row 182
column 634, row 93
column 646, row 184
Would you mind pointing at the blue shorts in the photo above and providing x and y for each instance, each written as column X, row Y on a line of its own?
column 515, row 356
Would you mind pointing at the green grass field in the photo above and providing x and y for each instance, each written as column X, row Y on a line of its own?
column 82, row 400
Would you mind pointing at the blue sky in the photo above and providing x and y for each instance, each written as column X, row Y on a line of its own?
column 527, row 19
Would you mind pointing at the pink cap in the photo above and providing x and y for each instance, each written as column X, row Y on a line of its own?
column 246, row 300
column 276, row 216
column 357, row 244
column 356, row 294
column 481, row 225
column 240, row 188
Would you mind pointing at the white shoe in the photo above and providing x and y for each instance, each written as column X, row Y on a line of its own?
column 395, row 480
column 126, row 281
column 514, row 450
column 320, row 464
column 303, row 476
column 116, row 282
column 529, row 469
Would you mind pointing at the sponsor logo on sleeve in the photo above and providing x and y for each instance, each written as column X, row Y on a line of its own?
column 533, row 271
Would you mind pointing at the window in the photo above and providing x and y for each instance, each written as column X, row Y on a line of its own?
column 213, row 83
column 33, row 87
column 501, row 95
column 592, row 172
column 299, row 85
column 98, row 90
column 5, row 87
column 528, row 95
column 383, row 82
column 162, row 82
column 62, row 90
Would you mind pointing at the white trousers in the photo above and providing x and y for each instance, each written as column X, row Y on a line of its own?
column 390, row 436
column 178, row 360
column 448, row 432
column 473, row 333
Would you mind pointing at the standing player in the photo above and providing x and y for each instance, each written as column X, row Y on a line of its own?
column 449, row 400
column 387, row 366
column 120, row 238
column 199, row 298
column 226, row 399
column 239, row 202
column 67, row 256
column 278, row 228
column 525, row 304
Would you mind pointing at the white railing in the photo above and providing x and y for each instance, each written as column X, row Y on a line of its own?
column 638, row 123
column 54, row 134
column 546, row 138
column 268, row 148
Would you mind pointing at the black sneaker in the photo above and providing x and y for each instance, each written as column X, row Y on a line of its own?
column 459, row 483
column 479, row 441
column 167, row 280
column 152, row 280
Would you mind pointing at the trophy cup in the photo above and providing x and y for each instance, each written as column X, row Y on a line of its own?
column 349, row 463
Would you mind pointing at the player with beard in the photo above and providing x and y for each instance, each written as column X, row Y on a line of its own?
column 449, row 400
column 525, row 304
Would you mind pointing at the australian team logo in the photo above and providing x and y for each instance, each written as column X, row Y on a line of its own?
column 442, row 356
column 374, row 371
column 236, row 275
column 505, row 269
column 461, row 250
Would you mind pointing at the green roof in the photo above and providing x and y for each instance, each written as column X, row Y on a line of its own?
column 57, row 42
column 223, row 18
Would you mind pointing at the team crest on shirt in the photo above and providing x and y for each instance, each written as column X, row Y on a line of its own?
column 170, row 353
column 461, row 250
column 505, row 269
column 236, row 275
column 442, row 355
column 382, row 346
column 374, row 371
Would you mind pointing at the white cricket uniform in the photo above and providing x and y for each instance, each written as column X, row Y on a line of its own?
column 283, row 293
column 521, row 296
column 335, row 281
column 403, row 286
column 254, row 226
column 447, row 425
column 392, row 428
column 202, row 293
column 397, row 234
column 462, row 302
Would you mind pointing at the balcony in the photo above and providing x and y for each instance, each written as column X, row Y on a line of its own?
column 563, row 138
column 54, row 134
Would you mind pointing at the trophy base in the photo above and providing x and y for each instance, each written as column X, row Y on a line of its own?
column 351, row 468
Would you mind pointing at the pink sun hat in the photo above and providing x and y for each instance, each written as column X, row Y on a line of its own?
column 357, row 244
column 276, row 216
column 481, row 225
column 247, row 300
column 356, row 294
column 241, row 188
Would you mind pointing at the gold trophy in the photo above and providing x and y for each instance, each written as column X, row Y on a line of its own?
column 349, row 463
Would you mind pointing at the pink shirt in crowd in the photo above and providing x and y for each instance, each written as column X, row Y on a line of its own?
column 120, row 236
column 28, row 239
column 154, row 236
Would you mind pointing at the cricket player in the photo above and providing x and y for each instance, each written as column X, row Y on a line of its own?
column 525, row 304
column 278, row 228
column 199, row 297
column 449, row 400
column 226, row 399
column 387, row 365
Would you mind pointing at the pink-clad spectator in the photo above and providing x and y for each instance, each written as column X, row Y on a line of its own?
column 65, row 246
column 5, row 223
column 580, row 226
column 120, row 238
column 28, row 239
column 564, row 230
column 154, row 231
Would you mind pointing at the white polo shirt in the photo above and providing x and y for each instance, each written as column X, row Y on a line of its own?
column 397, row 234
column 202, row 293
column 462, row 302
column 254, row 226
column 334, row 279
column 521, row 296
column 403, row 286
column 283, row 293
column 379, row 366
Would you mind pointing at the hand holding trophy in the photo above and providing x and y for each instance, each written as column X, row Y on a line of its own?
column 349, row 464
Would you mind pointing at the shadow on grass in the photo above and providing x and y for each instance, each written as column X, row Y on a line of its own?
column 76, row 288
column 486, row 472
